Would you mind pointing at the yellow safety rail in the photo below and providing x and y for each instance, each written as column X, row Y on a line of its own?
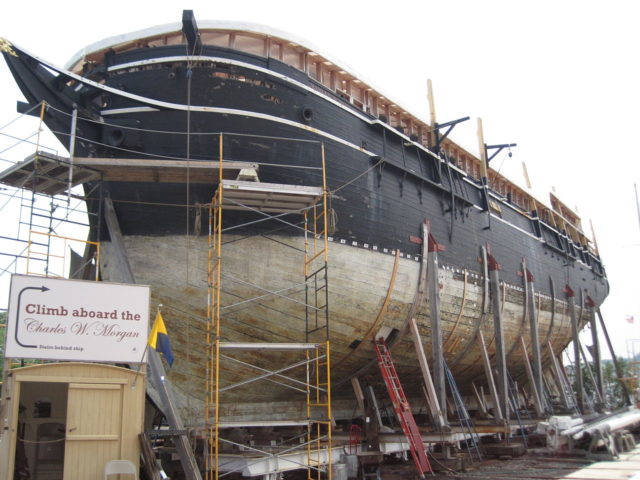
column 59, row 243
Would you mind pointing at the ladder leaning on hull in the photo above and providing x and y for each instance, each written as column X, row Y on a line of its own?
column 402, row 407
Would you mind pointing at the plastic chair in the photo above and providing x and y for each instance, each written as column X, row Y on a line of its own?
column 120, row 467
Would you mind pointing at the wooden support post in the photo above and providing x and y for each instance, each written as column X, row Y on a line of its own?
column 616, row 364
column 117, row 242
column 501, row 360
column 156, row 369
column 497, row 410
column 432, row 397
column 535, row 338
column 373, row 401
column 595, row 351
column 537, row 394
column 436, row 327
column 357, row 390
column 562, row 388
column 577, row 369
column 599, row 399
column 481, row 405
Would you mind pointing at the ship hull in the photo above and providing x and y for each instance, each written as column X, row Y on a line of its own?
column 362, row 285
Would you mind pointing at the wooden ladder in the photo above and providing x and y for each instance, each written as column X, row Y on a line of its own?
column 402, row 407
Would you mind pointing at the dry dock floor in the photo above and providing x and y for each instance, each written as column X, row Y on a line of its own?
column 535, row 466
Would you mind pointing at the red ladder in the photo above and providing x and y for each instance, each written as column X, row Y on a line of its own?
column 402, row 407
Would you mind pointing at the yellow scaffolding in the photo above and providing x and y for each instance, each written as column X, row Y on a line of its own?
column 271, row 199
column 60, row 257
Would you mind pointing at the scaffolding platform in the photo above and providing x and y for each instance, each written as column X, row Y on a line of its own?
column 46, row 173
column 268, row 197
column 164, row 171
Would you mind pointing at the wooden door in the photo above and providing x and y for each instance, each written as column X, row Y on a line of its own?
column 94, row 425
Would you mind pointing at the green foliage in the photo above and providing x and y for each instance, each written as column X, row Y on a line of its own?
column 613, row 391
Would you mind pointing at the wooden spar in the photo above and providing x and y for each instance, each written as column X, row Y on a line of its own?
column 595, row 240
column 432, row 397
column 535, row 336
column 488, row 373
column 501, row 360
column 577, row 369
column 483, row 154
column 433, row 132
column 537, row 394
column 433, row 287
column 156, row 369
column 357, row 390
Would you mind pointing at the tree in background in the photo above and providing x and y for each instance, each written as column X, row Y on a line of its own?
column 613, row 391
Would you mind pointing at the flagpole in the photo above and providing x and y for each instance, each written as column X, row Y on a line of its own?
column 144, row 352
column 146, row 347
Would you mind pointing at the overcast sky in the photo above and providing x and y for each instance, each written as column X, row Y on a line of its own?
column 559, row 78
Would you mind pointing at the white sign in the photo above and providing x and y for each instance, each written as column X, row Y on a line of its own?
column 58, row 319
